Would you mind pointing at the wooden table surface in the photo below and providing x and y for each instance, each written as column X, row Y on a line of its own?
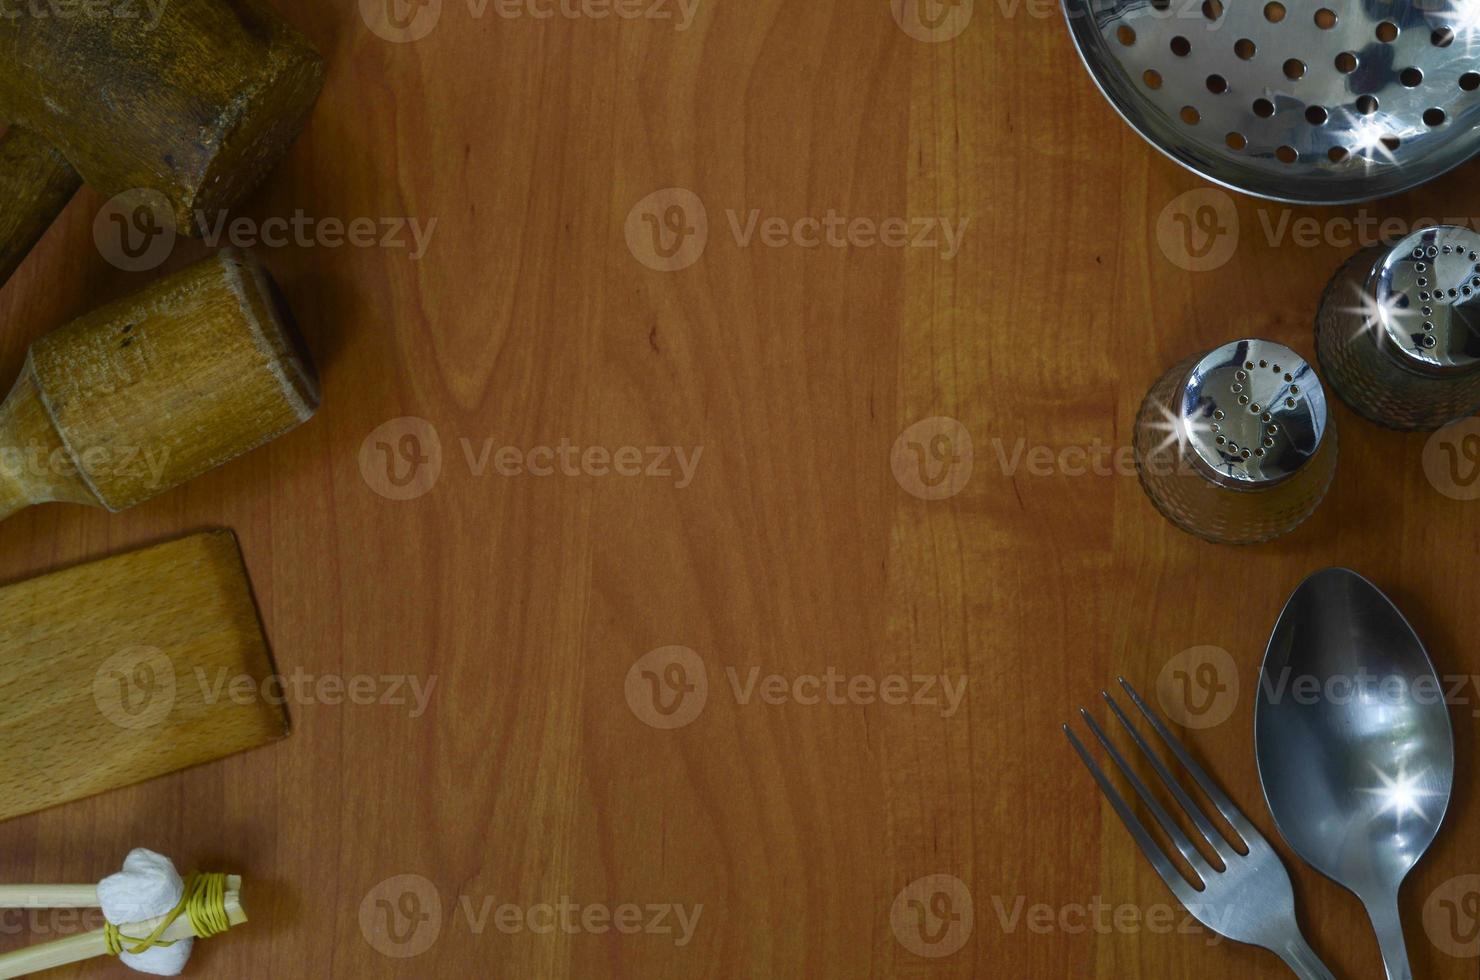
column 602, row 777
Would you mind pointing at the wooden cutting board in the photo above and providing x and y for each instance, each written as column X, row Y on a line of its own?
column 127, row 668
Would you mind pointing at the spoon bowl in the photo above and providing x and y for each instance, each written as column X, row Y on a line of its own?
column 1354, row 744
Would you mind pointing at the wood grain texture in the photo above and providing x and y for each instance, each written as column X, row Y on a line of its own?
column 794, row 549
column 36, row 182
column 112, row 671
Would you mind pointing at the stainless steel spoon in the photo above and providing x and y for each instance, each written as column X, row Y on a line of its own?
column 1355, row 749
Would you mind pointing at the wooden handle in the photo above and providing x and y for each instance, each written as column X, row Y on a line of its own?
column 85, row 946
column 48, row 896
column 153, row 390
column 36, row 182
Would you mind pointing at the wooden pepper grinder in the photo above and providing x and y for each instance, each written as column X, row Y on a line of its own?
column 148, row 392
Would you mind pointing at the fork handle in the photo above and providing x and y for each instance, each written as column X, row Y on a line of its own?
column 1300, row 958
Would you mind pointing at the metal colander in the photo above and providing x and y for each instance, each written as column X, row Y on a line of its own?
column 1308, row 101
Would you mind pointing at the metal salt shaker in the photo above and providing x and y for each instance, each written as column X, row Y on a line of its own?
column 1235, row 445
column 1398, row 333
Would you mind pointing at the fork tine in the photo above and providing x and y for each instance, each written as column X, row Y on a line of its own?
column 1225, row 806
column 1174, row 879
column 1210, row 834
column 1194, row 857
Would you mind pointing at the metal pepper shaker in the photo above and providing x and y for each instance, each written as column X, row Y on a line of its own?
column 1235, row 445
column 1398, row 333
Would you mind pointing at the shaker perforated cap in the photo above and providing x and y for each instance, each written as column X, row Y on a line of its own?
column 1425, row 296
column 1253, row 412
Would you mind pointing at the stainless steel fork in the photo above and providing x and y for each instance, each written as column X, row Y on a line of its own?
column 1250, row 899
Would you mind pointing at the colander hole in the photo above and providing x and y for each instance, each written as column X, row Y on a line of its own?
column 1289, row 403
column 1181, row 47
column 1367, row 104
column 1217, row 84
column 1294, row 69
column 1469, row 81
column 1249, row 365
column 1126, row 34
column 1268, row 442
column 1274, row 12
column 1272, row 429
column 1427, row 311
column 1243, row 399
column 1236, row 141
column 1411, row 77
column 1325, row 18
column 1258, row 452
column 1442, row 38
column 1212, row 9
column 1220, row 440
column 1346, row 62
column 1264, row 364
column 1218, row 414
column 1245, row 48
column 1427, row 325
column 1294, row 389
column 1265, row 417
column 1434, row 117
column 1245, row 453
column 1263, row 108
column 1428, row 341
column 1315, row 115
column 1240, row 375
column 1387, row 32
column 1337, row 154
column 1161, row 5
column 1289, row 376
column 1190, row 115
column 1286, row 154
column 1152, row 78
column 1391, row 142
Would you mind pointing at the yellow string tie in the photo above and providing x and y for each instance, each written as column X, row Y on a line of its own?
column 204, row 904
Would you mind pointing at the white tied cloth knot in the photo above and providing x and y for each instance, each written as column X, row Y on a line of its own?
column 148, row 886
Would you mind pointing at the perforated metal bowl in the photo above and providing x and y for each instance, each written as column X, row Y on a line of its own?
column 1306, row 101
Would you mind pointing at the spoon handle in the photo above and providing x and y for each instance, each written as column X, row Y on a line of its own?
column 1388, row 922
column 1300, row 958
